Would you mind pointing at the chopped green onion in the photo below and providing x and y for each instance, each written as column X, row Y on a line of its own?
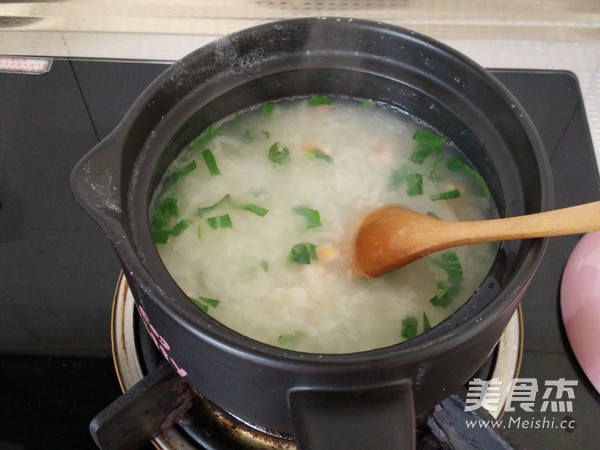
column 450, row 263
column 255, row 209
column 431, row 173
column 278, row 155
column 210, row 161
column 421, row 153
column 303, row 253
column 164, row 212
column 414, row 184
column 290, row 338
column 426, row 325
column 409, row 327
column 251, row 207
column 445, row 296
column 178, row 174
column 455, row 164
column 161, row 236
column 218, row 222
column 319, row 100
column 414, row 181
column 318, row 154
column 364, row 281
column 428, row 142
column 199, row 233
column 265, row 265
column 204, row 303
column 204, row 137
column 448, row 195
column 204, row 209
column 398, row 176
column 447, row 290
column 266, row 134
column 311, row 216
column 368, row 103
column 267, row 109
column 180, row 227
column 430, row 138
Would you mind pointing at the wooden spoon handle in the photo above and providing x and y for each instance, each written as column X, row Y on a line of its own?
column 392, row 236
column 576, row 219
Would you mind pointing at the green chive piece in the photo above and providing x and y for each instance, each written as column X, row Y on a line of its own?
column 199, row 233
column 430, row 138
column 210, row 161
column 398, row 177
column 303, row 253
column 426, row 325
column 409, row 327
column 319, row 155
column 448, row 195
column 267, row 109
column 447, row 290
column 319, row 100
column 204, row 137
column 455, row 164
column 251, row 207
column 368, row 103
column 414, row 184
column 178, row 174
column 312, row 216
column 210, row 301
column 204, row 209
column 255, row 209
column 204, row 303
column 420, row 154
column 432, row 172
column 413, row 180
column 278, row 155
column 290, row 338
column 218, row 222
column 161, row 236
column 449, row 262
column 444, row 296
column 264, row 264
column 164, row 212
column 428, row 142
column 364, row 281
column 180, row 227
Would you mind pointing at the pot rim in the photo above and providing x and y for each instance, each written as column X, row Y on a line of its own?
column 422, row 346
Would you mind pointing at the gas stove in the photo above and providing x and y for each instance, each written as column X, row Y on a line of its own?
column 59, row 273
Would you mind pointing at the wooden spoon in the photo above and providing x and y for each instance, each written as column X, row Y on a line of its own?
column 391, row 237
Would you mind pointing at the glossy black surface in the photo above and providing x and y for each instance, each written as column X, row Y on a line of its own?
column 58, row 272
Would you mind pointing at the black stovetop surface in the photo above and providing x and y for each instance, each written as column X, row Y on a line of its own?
column 58, row 272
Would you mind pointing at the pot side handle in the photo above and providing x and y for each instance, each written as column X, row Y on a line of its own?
column 374, row 417
column 96, row 184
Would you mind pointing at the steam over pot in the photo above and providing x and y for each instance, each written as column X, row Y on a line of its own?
column 361, row 400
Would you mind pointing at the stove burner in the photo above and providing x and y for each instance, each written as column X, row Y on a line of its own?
column 206, row 426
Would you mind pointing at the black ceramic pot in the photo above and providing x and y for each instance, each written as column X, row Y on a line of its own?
column 361, row 400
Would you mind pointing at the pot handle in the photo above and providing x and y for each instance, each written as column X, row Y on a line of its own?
column 373, row 417
column 148, row 408
column 96, row 184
